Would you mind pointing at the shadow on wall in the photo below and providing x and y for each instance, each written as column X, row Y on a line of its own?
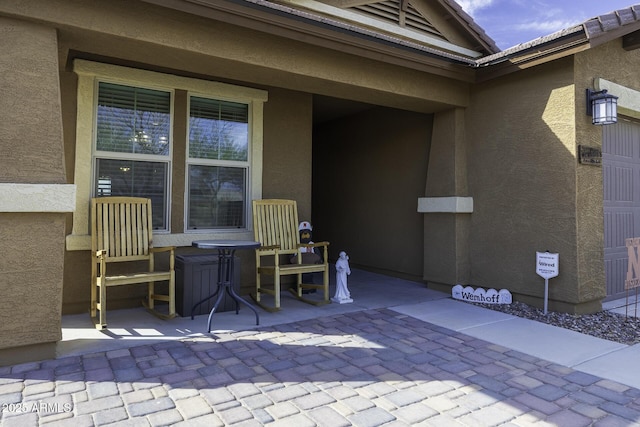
column 369, row 169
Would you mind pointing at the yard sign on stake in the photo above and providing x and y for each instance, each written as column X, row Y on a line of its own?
column 547, row 267
column 633, row 271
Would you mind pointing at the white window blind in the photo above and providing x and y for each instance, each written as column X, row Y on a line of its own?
column 133, row 120
column 133, row 145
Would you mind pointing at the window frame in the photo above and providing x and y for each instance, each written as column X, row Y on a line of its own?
column 138, row 157
column 246, row 165
column 88, row 73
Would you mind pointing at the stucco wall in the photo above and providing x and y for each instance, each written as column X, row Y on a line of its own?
column 446, row 234
column 30, row 130
column 522, row 176
column 589, row 65
column 369, row 170
column 30, row 278
column 287, row 148
column 32, row 244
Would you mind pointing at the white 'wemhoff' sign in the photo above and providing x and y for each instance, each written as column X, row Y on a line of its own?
column 547, row 264
column 490, row 296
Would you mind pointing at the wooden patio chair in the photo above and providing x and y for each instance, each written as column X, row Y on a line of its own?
column 275, row 225
column 121, row 232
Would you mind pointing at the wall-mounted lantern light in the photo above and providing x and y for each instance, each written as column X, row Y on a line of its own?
column 602, row 107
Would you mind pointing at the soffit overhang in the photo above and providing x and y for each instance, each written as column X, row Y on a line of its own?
column 440, row 23
column 328, row 31
column 318, row 24
column 320, row 30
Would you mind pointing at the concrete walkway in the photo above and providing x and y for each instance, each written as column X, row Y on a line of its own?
column 399, row 355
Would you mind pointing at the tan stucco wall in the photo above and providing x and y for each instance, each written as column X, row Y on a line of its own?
column 529, row 191
column 287, row 148
column 522, row 176
column 30, row 104
column 446, row 235
column 590, row 65
column 30, row 278
column 32, row 244
column 369, row 170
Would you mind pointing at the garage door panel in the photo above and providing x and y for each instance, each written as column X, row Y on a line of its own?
column 616, row 270
column 619, row 141
column 621, row 225
column 619, row 183
column 621, row 191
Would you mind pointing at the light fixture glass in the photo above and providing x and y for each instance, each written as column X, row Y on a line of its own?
column 602, row 107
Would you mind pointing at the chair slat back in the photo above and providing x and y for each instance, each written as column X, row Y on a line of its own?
column 275, row 223
column 122, row 226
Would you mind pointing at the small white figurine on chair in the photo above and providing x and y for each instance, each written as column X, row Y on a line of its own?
column 342, row 295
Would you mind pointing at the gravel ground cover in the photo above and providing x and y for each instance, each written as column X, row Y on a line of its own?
column 606, row 325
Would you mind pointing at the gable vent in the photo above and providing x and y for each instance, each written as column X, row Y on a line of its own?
column 390, row 11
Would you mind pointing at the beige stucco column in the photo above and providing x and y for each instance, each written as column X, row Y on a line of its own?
column 447, row 208
column 34, row 196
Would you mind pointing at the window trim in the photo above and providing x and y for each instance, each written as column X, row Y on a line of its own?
column 246, row 165
column 166, row 159
column 89, row 73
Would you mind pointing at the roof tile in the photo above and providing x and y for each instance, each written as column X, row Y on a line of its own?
column 609, row 21
column 626, row 16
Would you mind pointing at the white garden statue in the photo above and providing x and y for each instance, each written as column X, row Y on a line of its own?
column 342, row 295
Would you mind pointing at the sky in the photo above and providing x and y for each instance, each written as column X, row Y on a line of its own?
column 511, row 22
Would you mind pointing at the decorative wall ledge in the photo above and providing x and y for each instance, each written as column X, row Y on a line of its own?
column 445, row 204
column 628, row 99
column 37, row 197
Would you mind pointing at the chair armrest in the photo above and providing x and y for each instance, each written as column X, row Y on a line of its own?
column 163, row 249
column 100, row 253
column 323, row 245
column 268, row 250
column 273, row 250
column 313, row 245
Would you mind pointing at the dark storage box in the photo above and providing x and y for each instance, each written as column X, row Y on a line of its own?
column 196, row 279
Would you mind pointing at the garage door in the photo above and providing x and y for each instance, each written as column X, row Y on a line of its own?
column 621, row 177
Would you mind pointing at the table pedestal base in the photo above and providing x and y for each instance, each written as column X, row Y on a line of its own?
column 225, row 284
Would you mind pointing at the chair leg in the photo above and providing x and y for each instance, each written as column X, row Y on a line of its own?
column 299, row 286
column 92, row 308
column 94, row 288
column 169, row 298
column 257, row 287
column 276, row 290
column 172, row 295
column 325, row 282
column 102, row 324
column 151, row 296
column 276, row 294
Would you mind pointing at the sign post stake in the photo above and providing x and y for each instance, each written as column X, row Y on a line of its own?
column 546, row 294
column 547, row 267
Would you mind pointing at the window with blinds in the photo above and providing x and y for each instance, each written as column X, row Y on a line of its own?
column 132, row 147
column 218, row 164
column 133, row 120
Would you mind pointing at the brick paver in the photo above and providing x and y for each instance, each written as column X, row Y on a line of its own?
column 368, row 368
